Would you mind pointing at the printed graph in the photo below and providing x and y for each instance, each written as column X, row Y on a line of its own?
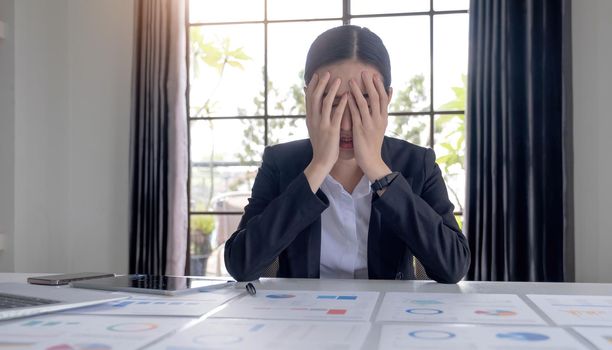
column 457, row 308
column 84, row 332
column 303, row 305
column 575, row 310
column 601, row 337
column 162, row 306
column 268, row 335
column 475, row 337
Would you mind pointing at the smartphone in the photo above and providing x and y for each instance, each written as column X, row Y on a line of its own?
column 58, row 280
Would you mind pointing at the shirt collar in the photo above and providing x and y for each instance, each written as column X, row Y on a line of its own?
column 361, row 190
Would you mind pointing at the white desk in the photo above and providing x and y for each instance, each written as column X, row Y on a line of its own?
column 372, row 341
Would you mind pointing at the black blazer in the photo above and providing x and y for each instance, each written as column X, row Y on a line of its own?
column 413, row 217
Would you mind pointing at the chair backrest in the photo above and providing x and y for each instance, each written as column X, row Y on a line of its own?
column 419, row 270
column 272, row 270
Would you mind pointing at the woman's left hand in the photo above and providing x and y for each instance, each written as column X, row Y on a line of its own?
column 369, row 124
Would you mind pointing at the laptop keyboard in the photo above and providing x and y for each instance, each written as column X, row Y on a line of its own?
column 11, row 301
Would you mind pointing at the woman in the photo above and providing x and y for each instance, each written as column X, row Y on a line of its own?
column 348, row 202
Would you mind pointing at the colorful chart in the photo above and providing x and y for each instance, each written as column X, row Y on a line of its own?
column 132, row 327
column 302, row 305
column 495, row 312
column 599, row 336
column 84, row 332
column 267, row 335
column 431, row 334
column 457, row 308
column 523, row 336
column 576, row 310
column 194, row 305
column 424, row 311
column 280, row 296
column 474, row 337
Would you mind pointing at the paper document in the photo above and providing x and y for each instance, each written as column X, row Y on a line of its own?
column 576, row 310
column 303, row 305
column 268, row 334
column 601, row 337
column 85, row 332
column 194, row 304
column 457, row 308
column 473, row 337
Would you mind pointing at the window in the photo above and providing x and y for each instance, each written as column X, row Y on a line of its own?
column 246, row 65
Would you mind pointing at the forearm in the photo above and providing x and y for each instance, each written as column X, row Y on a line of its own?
column 435, row 239
column 268, row 228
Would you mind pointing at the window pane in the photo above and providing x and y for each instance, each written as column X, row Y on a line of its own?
column 449, row 145
column 226, row 70
column 450, row 61
column 414, row 129
column 286, row 129
column 459, row 219
column 232, row 140
column 207, row 237
column 448, row 5
column 207, row 11
column 360, row 7
column 283, row 9
column 407, row 40
column 287, row 48
column 200, row 242
column 211, row 186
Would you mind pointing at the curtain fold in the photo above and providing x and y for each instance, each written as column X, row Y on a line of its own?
column 519, row 210
column 158, row 145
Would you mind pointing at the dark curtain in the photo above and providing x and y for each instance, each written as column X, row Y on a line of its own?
column 158, row 158
column 519, row 210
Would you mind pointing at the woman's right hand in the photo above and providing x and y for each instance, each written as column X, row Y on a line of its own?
column 323, row 122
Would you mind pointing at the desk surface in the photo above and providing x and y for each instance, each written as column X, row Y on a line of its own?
column 521, row 289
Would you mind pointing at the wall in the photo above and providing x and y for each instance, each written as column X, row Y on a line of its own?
column 7, row 140
column 72, row 78
column 592, row 54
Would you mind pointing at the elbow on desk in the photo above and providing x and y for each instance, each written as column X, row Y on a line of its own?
column 238, row 266
column 455, row 274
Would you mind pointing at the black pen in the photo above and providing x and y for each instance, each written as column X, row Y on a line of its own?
column 251, row 288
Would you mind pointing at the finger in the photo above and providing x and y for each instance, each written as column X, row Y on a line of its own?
column 318, row 93
column 361, row 103
column 328, row 101
column 337, row 117
column 310, row 89
column 368, row 81
column 382, row 93
column 355, row 116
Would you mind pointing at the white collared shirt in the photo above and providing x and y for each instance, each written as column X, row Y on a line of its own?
column 344, row 230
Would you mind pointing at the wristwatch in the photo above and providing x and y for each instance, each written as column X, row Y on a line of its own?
column 384, row 181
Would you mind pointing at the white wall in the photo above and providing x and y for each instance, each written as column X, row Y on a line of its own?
column 72, row 105
column 7, row 140
column 592, row 57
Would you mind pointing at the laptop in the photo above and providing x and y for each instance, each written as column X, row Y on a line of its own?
column 22, row 300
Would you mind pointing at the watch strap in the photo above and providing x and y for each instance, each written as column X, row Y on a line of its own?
column 384, row 181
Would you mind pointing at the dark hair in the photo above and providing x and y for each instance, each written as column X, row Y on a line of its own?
column 346, row 42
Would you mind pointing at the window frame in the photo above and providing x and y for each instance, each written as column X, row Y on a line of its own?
column 346, row 19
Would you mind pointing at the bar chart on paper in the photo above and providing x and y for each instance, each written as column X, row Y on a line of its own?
column 59, row 332
column 268, row 334
column 472, row 337
column 457, row 308
column 303, row 305
column 576, row 310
